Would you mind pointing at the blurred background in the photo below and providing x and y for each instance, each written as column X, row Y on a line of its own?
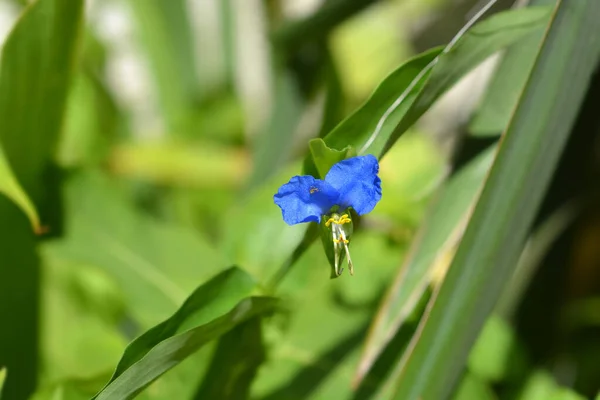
column 182, row 119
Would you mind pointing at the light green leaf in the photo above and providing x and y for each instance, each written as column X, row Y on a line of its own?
column 2, row 378
column 528, row 154
column 209, row 312
column 11, row 188
column 324, row 157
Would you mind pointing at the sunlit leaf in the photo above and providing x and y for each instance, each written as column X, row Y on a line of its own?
column 509, row 201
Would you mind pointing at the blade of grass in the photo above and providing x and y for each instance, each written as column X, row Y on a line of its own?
column 496, row 234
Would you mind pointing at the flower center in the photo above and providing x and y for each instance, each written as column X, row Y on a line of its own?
column 340, row 220
column 340, row 240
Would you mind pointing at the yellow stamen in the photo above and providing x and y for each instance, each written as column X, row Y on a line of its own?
column 313, row 190
column 344, row 219
column 341, row 239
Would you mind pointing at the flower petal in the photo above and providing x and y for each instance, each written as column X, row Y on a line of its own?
column 357, row 182
column 305, row 199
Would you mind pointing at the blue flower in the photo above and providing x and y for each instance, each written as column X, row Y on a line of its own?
column 349, row 183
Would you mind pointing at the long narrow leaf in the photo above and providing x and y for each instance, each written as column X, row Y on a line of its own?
column 405, row 95
column 207, row 314
column 497, row 232
column 438, row 236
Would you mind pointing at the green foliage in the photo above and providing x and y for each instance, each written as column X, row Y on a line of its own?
column 142, row 142
column 486, row 257
column 208, row 313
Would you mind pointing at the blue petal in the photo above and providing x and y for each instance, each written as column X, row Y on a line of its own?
column 357, row 182
column 305, row 199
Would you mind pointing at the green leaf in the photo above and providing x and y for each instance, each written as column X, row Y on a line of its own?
column 36, row 66
column 405, row 95
column 356, row 129
column 480, row 42
column 507, row 83
column 208, row 313
column 37, row 63
column 2, row 378
column 11, row 188
column 496, row 234
column 433, row 247
column 235, row 363
column 324, row 157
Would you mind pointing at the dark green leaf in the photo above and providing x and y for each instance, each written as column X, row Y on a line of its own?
column 235, row 363
column 507, row 83
column 208, row 313
column 510, row 199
